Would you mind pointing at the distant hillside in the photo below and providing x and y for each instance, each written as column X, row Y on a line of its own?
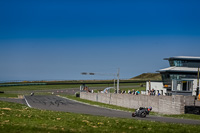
column 148, row 76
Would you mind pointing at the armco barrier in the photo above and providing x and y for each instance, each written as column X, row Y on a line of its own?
column 162, row 104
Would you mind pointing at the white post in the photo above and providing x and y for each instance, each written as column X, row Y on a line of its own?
column 114, row 83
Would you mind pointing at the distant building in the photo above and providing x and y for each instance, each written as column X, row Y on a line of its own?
column 178, row 79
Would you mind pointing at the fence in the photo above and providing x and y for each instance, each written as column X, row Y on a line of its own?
column 162, row 104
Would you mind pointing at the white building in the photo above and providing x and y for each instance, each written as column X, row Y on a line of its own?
column 157, row 86
column 178, row 79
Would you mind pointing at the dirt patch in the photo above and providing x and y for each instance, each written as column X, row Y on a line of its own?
column 5, row 108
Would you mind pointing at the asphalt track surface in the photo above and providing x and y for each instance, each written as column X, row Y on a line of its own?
column 15, row 100
column 55, row 103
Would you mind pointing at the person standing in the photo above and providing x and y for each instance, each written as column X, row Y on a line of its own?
column 133, row 92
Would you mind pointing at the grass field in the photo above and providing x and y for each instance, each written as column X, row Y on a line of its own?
column 37, row 87
column 67, row 86
column 9, row 95
column 19, row 118
column 14, row 91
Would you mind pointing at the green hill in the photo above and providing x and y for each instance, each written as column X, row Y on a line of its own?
column 148, row 76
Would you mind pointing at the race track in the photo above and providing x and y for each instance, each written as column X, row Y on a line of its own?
column 55, row 103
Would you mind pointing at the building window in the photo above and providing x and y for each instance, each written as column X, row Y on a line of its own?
column 182, row 85
column 178, row 63
column 171, row 63
column 177, row 76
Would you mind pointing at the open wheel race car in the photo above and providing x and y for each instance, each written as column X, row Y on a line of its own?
column 142, row 112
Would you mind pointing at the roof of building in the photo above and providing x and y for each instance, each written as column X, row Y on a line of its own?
column 179, row 69
column 183, row 58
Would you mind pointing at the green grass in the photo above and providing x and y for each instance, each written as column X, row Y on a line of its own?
column 37, row 87
column 48, row 87
column 19, row 118
column 148, row 76
column 15, row 95
column 8, row 95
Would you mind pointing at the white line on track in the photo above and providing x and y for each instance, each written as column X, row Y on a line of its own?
column 27, row 102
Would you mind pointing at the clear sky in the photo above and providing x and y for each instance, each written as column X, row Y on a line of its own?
column 59, row 39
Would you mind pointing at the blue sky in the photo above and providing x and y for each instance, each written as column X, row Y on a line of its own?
column 59, row 39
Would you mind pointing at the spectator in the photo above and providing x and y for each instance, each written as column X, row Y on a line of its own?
column 133, row 92
column 137, row 92
column 149, row 92
column 153, row 92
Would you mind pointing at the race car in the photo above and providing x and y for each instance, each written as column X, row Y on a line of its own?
column 142, row 112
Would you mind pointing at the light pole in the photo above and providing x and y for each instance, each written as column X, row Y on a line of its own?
column 118, row 81
column 108, row 74
column 197, row 91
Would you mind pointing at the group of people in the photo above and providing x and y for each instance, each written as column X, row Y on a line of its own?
column 87, row 89
column 153, row 92
column 133, row 92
